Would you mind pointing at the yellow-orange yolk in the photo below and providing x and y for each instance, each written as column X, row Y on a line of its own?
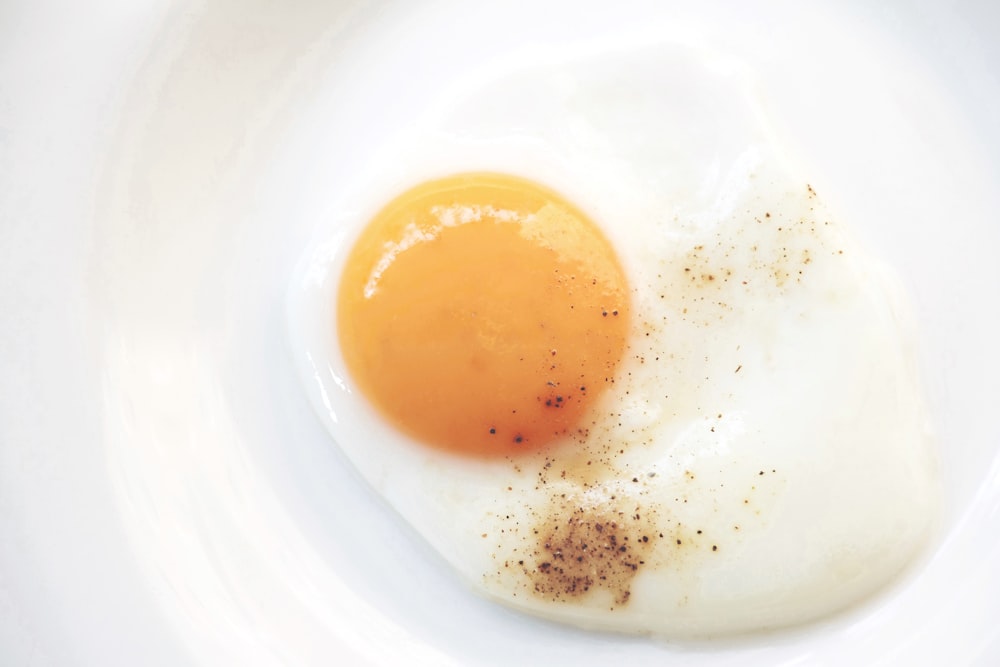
column 482, row 314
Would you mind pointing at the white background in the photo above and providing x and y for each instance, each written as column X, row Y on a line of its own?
column 167, row 497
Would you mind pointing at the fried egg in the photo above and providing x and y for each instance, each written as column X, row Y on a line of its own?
column 586, row 328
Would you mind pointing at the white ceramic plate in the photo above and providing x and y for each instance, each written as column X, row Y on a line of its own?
column 166, row 494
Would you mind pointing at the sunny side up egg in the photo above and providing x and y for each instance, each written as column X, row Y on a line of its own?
column 596, row 341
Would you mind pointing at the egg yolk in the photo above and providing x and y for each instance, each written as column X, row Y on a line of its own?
column 483, row 314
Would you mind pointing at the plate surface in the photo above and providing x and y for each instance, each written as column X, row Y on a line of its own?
column 166, row 494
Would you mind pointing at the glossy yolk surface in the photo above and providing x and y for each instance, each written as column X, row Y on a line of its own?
column 482, row 314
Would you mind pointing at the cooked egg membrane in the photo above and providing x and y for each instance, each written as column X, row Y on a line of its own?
column 762, row 457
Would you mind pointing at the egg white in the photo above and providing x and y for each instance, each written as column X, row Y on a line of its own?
column 766, row 424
